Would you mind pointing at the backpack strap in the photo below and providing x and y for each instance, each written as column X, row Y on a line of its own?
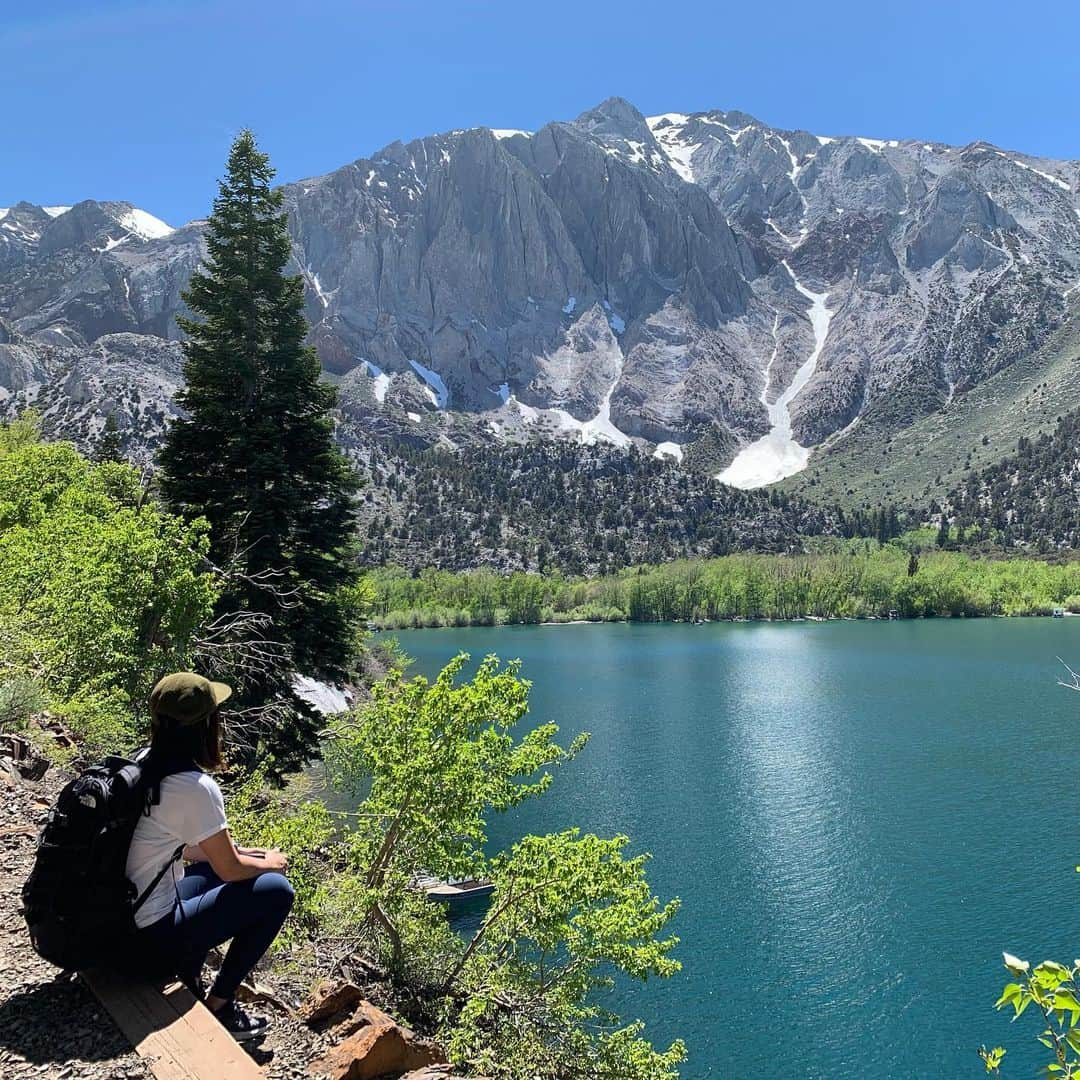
column 160, row 874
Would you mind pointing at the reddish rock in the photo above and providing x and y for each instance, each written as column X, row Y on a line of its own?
column 376, row 1047
column 364, row 1015
column 330, row 1002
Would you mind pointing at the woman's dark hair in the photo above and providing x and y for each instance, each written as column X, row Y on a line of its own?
column 199, row 743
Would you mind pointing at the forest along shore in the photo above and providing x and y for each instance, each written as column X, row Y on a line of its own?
column 858, row 580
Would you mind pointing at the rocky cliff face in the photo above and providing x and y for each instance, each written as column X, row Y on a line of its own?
column 689, row 281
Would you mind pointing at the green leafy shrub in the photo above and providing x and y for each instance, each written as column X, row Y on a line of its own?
column 100, row 591
column 20, row 698
column 261, row 815
column 1054, row 990
column 854, row 579
column 431, row 761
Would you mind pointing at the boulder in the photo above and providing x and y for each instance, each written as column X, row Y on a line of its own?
column 377, row 1046
column 330, row 1002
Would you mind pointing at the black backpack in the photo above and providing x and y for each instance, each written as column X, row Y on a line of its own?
column 78, row 902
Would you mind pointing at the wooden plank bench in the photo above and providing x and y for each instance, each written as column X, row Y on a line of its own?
column 173, row 1032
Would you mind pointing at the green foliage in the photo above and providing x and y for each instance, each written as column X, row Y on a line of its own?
column 851, row 579
column 552, row 504
column 1054, row 989
column 1028, row 498
column 100, row 592
column 255, row 454
column 432, row 760
column 109, row 445
column 992, row 1058
column 263, row 816
column 566, row 912
column 20, row 698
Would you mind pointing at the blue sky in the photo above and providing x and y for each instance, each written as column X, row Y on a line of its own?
column 139, row 100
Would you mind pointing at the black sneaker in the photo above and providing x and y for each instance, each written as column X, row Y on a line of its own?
column 239, row 1024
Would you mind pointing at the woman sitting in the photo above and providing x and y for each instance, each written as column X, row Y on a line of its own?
column 225, row 892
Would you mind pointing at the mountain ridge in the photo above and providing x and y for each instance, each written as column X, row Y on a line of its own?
column 699, row 283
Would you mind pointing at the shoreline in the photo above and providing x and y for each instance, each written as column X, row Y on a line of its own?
column 741, row 619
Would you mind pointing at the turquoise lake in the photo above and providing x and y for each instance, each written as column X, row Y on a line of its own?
column 859, row 817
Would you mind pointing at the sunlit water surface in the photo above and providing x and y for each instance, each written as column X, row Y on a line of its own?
column 858, row 818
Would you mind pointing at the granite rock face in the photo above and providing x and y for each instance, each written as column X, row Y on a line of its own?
column 615, row 277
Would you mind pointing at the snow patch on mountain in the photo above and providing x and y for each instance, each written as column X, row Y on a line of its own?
column 141, row 224
column 434, row 385
column 877, row 145
column 599, row 428
column 1056, row 180
column 381, row 380
column 668, row 129
column 668, row 449
column 777, row 454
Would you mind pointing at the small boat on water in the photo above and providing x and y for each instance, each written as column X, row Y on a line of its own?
column 453, row 890
column 1058, row 613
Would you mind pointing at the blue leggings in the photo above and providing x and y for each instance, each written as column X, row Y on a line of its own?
column 211, row 911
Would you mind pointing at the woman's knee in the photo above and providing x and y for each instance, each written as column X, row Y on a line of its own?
column 274, row 890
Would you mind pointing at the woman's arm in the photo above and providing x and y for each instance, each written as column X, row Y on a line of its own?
column 195, row 853
column 232, row 865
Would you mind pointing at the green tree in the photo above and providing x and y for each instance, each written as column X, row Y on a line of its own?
column 566, row 912
column 1054, row 990
column 943, row 531
column 434, row 759
column 109, row 446
column 569, row 911
column 100, row 592
column 254, row 453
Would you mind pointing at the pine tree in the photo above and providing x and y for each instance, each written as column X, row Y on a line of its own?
column 254, row 453
column 942, row 539
column 108, row 446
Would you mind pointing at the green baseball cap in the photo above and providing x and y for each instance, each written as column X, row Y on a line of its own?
column 187, row 698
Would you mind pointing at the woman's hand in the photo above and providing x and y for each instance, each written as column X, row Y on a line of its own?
column 278, row 860
column 275, row 860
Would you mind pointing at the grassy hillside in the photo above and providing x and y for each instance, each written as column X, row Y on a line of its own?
column 1031, row 498
column 936, row 454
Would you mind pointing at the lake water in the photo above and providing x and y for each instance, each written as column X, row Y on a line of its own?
column 858, row 817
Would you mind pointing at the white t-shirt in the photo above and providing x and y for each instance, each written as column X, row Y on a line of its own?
column 190, row 810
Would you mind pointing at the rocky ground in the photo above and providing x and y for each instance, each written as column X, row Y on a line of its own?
column 51, row 1025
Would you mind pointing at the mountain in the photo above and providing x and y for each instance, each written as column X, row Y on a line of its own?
column 758, row 303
